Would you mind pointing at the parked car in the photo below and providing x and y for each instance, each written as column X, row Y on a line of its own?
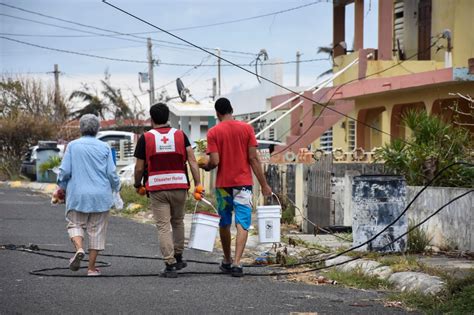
column 115, row 136
column 122, row 142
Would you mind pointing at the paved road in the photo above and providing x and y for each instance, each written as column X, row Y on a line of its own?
column 26, row 217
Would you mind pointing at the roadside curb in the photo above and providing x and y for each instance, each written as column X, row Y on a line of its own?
column 46, row 188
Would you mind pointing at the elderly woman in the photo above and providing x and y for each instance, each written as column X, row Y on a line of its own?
column 87, row 174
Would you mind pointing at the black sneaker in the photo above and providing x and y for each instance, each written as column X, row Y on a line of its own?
column 180, row 262
column 237, row 271
column 225, row 268
column 169, row 271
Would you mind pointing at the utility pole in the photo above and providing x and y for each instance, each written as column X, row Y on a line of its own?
column 218, row 72
column 59, row 111
column 150, row 71
column 298, row 55
column 56, row 86
column 214, row 88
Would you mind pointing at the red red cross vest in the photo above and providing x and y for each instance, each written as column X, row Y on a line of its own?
column 166, row 159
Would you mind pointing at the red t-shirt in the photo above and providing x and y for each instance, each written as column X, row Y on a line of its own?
column 232, row 139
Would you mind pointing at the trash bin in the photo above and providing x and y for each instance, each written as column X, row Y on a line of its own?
column 46, row 149
column 377, row 200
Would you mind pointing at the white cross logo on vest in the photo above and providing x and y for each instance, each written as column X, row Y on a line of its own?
column 164, row 142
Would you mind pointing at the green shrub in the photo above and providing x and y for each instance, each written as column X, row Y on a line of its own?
column 434, row 145
column 52, row 162
column 288, row 215
column 418, row 239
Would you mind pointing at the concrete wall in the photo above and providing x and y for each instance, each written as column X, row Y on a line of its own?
column 454, row 225
column 455, row 15
column 376, row 201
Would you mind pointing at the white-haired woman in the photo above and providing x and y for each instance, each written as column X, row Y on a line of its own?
column 87, row 174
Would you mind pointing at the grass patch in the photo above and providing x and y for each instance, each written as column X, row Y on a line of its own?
column 356, row 279
column 299, row 242
column 129, row 196
column 401, row 263
column 366, row 255
column 418, row 239
column 347, row 236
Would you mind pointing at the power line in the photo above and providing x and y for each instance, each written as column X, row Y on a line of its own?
column 74, row 52
column 118, row 34
column 188, row 27
column 143, row 61
column 242, row 64
column 177, row 45
column 248, row 18
column 68, row 28
column 194, row 67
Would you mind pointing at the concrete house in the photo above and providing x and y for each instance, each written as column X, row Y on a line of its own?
column 425, row 55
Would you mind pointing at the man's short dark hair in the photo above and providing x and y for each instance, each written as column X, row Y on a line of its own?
column 223, row 106
column 160, row 113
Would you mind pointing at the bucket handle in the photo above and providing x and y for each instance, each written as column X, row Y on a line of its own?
column 278, row 200
column 276, row 197
column 206, row 202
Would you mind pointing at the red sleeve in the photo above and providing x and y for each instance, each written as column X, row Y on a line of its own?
column 211, row 142
column 252, row 139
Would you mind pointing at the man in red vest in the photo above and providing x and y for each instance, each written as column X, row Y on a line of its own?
column 232, row 148
column 164, row 151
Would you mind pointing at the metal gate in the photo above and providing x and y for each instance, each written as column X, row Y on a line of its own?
column 290, row 181
column 319, row 198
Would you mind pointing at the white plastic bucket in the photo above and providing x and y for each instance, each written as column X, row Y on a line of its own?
column 204, row 228
column 269, row 223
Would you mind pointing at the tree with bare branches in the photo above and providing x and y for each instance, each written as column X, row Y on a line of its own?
column 28, row 113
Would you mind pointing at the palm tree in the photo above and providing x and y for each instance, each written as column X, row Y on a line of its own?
column 329, row 51
column 115, row 100
column 94, row 104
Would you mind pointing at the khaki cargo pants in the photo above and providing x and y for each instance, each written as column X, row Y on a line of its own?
column 168, row 211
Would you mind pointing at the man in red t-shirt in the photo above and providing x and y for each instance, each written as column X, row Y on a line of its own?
column 232, row 148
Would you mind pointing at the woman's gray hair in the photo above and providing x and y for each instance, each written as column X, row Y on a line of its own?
column 89, row 125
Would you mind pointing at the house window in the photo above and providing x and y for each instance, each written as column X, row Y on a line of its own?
column 351, row 135
column 398, row 27
column 326, row 140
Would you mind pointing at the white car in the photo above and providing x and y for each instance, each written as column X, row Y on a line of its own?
column 115, row 136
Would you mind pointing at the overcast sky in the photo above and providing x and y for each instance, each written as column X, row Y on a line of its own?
column 303, row 29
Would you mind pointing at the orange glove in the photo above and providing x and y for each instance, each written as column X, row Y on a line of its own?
column 141, row 191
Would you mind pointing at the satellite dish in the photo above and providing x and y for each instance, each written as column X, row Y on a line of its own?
column 181, row 89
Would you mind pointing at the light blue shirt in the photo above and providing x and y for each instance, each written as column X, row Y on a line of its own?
column 87, row 173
